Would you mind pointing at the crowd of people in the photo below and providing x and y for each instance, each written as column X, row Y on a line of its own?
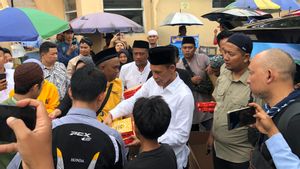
column 82, row 93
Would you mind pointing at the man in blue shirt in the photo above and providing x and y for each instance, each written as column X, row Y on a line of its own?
column 67, row 49
column 271, row 78
column 280, row 151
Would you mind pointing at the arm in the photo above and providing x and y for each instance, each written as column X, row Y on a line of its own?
column 52, row 100
column 281, row 153
column 183, row 119
column 126, row 106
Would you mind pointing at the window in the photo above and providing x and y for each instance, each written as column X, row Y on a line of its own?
column 221, row 3
column 70, row 9
column 131, row 9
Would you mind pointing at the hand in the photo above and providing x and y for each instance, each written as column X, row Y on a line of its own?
column 108, row 120
column 3, row 84
column 196, row 80
column 55, row 113
column 30, row 143
column 71, row 49
column 209, row 143
column 135, row 142
column 264, row 122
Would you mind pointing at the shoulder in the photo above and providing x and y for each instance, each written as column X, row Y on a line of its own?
column 60, row 65
column 127, row 66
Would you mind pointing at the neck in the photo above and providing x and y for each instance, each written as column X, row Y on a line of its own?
column 276, row 97
column 148, row 145
column 48, row 65
column 142, row 67
column 19, row 97
column 84, row 105
column 171, row 80
column 68, row 41
column 153, row 45
column 189, row 58
column 237, row 74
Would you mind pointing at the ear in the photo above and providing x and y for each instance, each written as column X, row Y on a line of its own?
column 101, row 97
column 270, row 77
column 70, row 93
column 172, row 67
column 101, row 66
column 34, row 87
column 247, row 58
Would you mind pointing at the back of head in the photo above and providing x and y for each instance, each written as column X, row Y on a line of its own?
column 26, row 76
column 152, row 116
column 87, row 84
column 44, row 48
column 281, row 61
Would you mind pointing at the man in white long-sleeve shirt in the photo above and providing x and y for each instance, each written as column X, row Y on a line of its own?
column 136, row 73
column 166, row 83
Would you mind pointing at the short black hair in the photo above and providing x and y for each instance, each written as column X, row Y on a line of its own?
column 222, row 35
column 151, row 116
column 87, row 84
column 5, row 50
column 44, row 48
column 87, row 41
column 1, row 49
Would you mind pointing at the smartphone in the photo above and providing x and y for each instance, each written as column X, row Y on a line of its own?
column 74, row 42
column 240, row 117
column 2, row 76
column 27, row 114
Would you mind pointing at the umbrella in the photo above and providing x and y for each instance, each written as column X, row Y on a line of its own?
column 26, row 24
column 255, row 4
column 181, row 18
column 287, row 4
column 294, row 13
column 238, row 14
column 104, row 22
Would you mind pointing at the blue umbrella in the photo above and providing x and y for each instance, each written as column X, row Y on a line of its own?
column 287, row 4
column 26, row 24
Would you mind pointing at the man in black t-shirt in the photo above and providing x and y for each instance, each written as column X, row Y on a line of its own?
column 152, row 117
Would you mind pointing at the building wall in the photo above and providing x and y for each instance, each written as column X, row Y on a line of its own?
column 54, row 7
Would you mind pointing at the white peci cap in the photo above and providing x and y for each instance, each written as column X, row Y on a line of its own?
column 152, row 33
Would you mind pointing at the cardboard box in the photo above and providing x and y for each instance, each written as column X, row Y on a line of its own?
column 125, row 128
column 198, row 158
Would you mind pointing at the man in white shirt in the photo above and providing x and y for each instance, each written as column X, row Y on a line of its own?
column 137, row 72
column 166, row 83
column 153, row 38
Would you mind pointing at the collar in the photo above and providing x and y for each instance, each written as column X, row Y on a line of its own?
column 242, row 79
column 83, row 112
column 147, row 65
column 117, row 85
column 272, row 111
column 173, row 85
